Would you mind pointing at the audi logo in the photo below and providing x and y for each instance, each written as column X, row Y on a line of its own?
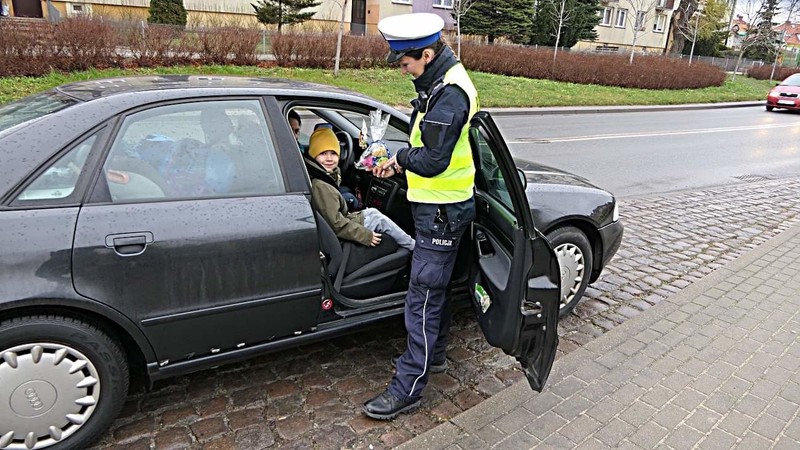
column 33, row 399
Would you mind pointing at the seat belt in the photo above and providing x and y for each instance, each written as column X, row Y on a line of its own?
column 337, row 285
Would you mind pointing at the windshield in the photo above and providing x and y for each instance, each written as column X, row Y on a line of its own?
column 32, row 107
column 793, row 80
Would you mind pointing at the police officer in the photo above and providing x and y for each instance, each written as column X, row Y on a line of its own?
column 440, row 173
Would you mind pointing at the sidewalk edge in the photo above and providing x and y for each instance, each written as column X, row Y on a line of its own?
column 515, row 395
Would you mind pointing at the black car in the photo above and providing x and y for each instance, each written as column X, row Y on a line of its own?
column 164, row 225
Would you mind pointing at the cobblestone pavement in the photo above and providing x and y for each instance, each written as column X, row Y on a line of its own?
column 311, row 397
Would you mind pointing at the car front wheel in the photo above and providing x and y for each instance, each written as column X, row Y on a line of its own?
column 63, row 382
column 770, row 108
column 574, row 253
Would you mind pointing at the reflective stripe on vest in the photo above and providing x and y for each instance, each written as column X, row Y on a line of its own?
column 457, row 182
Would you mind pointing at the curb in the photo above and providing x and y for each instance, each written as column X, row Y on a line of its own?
column 566, row 110
column 484, row 413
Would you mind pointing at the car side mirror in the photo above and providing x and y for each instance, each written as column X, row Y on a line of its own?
column 522, row 178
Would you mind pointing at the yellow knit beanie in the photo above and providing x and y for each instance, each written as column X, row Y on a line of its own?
column 322, row 140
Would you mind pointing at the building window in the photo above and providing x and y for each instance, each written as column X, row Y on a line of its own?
column 406, row 2
column 660, row 23
column 78, row 9
column 621, row 14
column 641, row 17
column 443, row 4
column 606, row 15
column 661, row 3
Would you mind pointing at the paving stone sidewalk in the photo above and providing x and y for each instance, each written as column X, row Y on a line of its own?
column 310, row 397
column 716, row 365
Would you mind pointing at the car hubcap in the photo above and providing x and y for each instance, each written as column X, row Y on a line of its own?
column 51, row 390
column 570, row 258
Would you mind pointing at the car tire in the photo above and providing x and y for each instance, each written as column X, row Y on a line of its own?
column 770, row 108
column 574, row 253
column 65, row 380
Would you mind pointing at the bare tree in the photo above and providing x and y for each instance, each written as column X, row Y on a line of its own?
column 460, row 9
column 339, row 39
column 641, row 12
column 563, row 16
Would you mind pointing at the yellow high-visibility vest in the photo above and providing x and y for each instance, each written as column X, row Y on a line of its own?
column 457, row 182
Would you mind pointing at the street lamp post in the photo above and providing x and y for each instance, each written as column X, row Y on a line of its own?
column 694, row 37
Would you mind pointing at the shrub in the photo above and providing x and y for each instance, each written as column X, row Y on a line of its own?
column 150, row 45
column 84, row 42
column 167, row 12
column 763, row 72
column 20, row 54
column 81, row 42
column 647, row 72
column 318, row 50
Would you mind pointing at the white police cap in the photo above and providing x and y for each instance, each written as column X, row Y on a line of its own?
column 407, row 32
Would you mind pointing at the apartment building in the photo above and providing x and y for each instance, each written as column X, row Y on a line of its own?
column 361, row 16
column 622, row 21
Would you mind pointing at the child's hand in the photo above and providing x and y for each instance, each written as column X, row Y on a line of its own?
column 376, row 239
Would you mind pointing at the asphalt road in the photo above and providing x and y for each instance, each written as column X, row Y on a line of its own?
column 649, row 153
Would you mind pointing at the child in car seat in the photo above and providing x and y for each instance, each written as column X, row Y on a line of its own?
column 364, row 227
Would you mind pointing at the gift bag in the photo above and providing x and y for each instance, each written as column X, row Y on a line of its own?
column 371, row 140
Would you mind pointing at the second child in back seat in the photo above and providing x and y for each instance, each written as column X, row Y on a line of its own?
column 364, row 227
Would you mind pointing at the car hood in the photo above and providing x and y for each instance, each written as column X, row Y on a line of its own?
column 536, row 173
column 787, row 89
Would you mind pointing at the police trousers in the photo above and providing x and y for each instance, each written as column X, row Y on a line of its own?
column 440, row 230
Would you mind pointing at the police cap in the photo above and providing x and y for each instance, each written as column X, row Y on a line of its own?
column 408, row 32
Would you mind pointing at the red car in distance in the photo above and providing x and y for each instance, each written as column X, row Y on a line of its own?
column 785, row 95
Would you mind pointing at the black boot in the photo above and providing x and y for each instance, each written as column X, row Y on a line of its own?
column 434, row 367
column 386, row 406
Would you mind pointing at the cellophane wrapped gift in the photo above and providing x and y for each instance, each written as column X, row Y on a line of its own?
column 371, row 141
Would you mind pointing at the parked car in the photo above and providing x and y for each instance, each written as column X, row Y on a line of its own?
column 164, row 225
column 785, row 94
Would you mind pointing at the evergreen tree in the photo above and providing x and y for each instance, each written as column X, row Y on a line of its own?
column 283, row 12
column 578, row 22
column 763, row 39
column 168, row 12
column 511, row 19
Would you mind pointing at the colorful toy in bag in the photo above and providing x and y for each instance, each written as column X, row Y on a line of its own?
column 371, row 140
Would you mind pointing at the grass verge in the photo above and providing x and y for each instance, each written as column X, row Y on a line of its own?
column 393, row 88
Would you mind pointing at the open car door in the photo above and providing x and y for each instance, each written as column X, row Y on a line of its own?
column 516, row 284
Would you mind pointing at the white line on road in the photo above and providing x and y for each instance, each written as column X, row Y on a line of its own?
column 648, row 134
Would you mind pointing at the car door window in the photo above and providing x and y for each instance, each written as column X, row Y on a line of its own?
column 193, row 150
column 491, row 178
column 58, row 181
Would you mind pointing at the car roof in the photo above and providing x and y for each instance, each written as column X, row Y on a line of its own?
column 200, row 85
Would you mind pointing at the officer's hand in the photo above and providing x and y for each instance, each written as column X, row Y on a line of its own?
column 376, row 239
column 386, row 169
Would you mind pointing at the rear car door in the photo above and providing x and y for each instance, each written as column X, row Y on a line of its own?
column 193, row 232
column 516, row 285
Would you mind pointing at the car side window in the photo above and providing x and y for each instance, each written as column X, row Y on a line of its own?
column 193, row 150
column 59, row 180
column 490, row 177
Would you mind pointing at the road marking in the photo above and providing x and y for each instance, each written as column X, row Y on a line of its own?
column 598, row 137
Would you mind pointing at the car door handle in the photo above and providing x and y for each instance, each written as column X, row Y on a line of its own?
column 483, row 245
column 129, row 244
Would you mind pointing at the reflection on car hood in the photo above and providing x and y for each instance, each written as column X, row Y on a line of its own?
column 787, row 89
column 541, row 174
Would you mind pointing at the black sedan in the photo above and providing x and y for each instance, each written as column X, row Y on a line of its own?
column 164, row 225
